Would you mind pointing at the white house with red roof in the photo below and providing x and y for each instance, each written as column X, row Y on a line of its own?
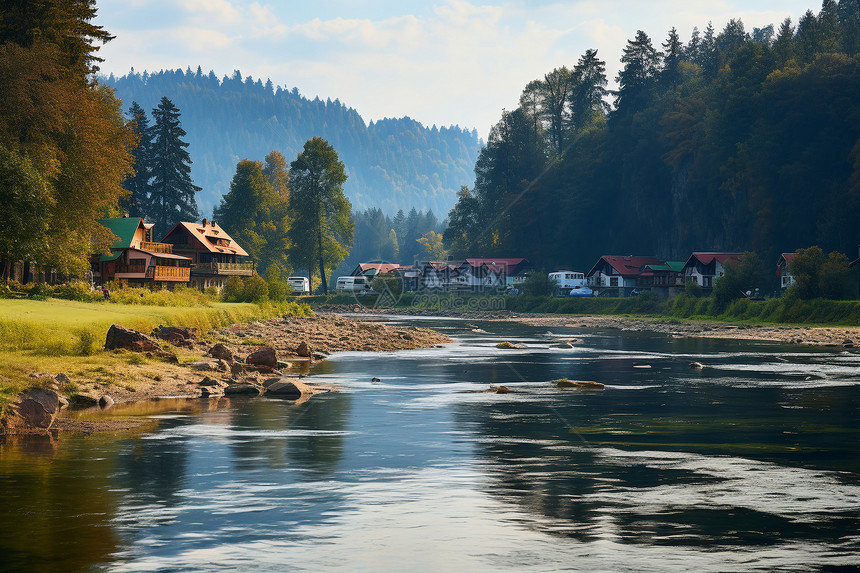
column 214, row 254
column 618, row 275
column 704, row 268
column 785, row 277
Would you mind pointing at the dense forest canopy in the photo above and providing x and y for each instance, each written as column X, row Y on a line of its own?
column 391, row 163
column 731, row 141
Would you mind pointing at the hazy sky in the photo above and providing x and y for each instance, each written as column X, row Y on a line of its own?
column 440, row 62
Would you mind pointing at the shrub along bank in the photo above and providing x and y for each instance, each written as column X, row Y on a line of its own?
column 782, row 310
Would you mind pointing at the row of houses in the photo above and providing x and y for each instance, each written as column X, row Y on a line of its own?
column 614, row 275
column 200, row 255
column 611, row 275
column 450, row 275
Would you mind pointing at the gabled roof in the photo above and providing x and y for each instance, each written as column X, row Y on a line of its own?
column 162, row 255
column 377, row 268
column 509, row 266
column 722, row 258
column 124, row 228
column 208, row 234
column 629, row 266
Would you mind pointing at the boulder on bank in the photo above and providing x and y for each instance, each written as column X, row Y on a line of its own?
column 563, row 383
column 304, row 350
column 221, row 352
column 82, row 401
column 176, row 335
column 33, row 409
column 106, row 402
column 242, row 389
column 286, row 388
column 121, row 337
column 263, row 357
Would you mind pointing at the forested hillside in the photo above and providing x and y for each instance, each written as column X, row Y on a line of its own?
column 731, row 141
column 392, row 163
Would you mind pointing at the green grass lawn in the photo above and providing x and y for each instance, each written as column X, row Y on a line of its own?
column 60, row 335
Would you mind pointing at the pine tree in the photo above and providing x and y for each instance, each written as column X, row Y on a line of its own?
column 640, row 61
column 783, row 46
column 171, row 197
column 588, row 94
column 672, row 57
column 136, row 202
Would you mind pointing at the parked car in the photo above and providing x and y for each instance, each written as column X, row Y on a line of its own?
column 581, row 291
column 300, row 285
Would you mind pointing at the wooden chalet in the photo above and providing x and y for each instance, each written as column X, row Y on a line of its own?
column 135, row 259
column 664, row 279
column 214, row 255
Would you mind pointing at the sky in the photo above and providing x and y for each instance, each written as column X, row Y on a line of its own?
column 447, row 62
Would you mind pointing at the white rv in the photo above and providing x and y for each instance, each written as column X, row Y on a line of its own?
column 300, row 285
column 353, row 284
column 566, row 281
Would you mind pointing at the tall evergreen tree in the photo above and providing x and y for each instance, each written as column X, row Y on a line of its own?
column 171, row 197
column 635, row 80
column 673, row 52
column 783, row 46
column 136, row 202
column 588, row 92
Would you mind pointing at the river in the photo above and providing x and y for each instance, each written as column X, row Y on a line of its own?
column 750, row 463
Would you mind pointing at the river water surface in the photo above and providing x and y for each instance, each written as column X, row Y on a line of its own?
column 751, row 463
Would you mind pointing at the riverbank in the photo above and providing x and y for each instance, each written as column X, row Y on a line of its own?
column 196, row 368
column 845, row 336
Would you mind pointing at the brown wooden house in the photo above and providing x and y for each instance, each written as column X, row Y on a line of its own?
column 137, row 260
column 214, row 254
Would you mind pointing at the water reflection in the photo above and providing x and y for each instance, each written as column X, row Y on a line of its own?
column 751, row 462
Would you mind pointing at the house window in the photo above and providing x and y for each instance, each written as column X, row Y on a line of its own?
column 707, row 281
column 613, row 281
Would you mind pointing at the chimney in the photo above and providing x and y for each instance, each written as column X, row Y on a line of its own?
column 204, row 222
column 212, row 223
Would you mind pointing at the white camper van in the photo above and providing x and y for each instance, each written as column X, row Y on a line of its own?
column 353, row 284
column 300, row 285
column 566, row 281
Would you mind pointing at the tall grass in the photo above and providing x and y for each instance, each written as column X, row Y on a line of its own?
column 61, row 327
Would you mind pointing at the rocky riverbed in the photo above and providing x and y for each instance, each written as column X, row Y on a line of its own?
column 270, row 356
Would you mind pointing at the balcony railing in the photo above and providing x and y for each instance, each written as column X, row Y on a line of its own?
column 131, row 269
column 242, row 269
column 160, row 273
column 165, row 248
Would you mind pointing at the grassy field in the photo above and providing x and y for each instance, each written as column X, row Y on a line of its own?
column 67, row 336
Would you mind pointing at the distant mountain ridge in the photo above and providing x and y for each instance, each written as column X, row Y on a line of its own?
column 392, row 163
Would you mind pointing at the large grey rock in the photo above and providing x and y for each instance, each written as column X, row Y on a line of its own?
column 206, row 366
column 304, row 350
column 263, row 357
column 121, row 337
column 288, row 388
column 106, row 402
column 33, row 409
column 244, row 389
